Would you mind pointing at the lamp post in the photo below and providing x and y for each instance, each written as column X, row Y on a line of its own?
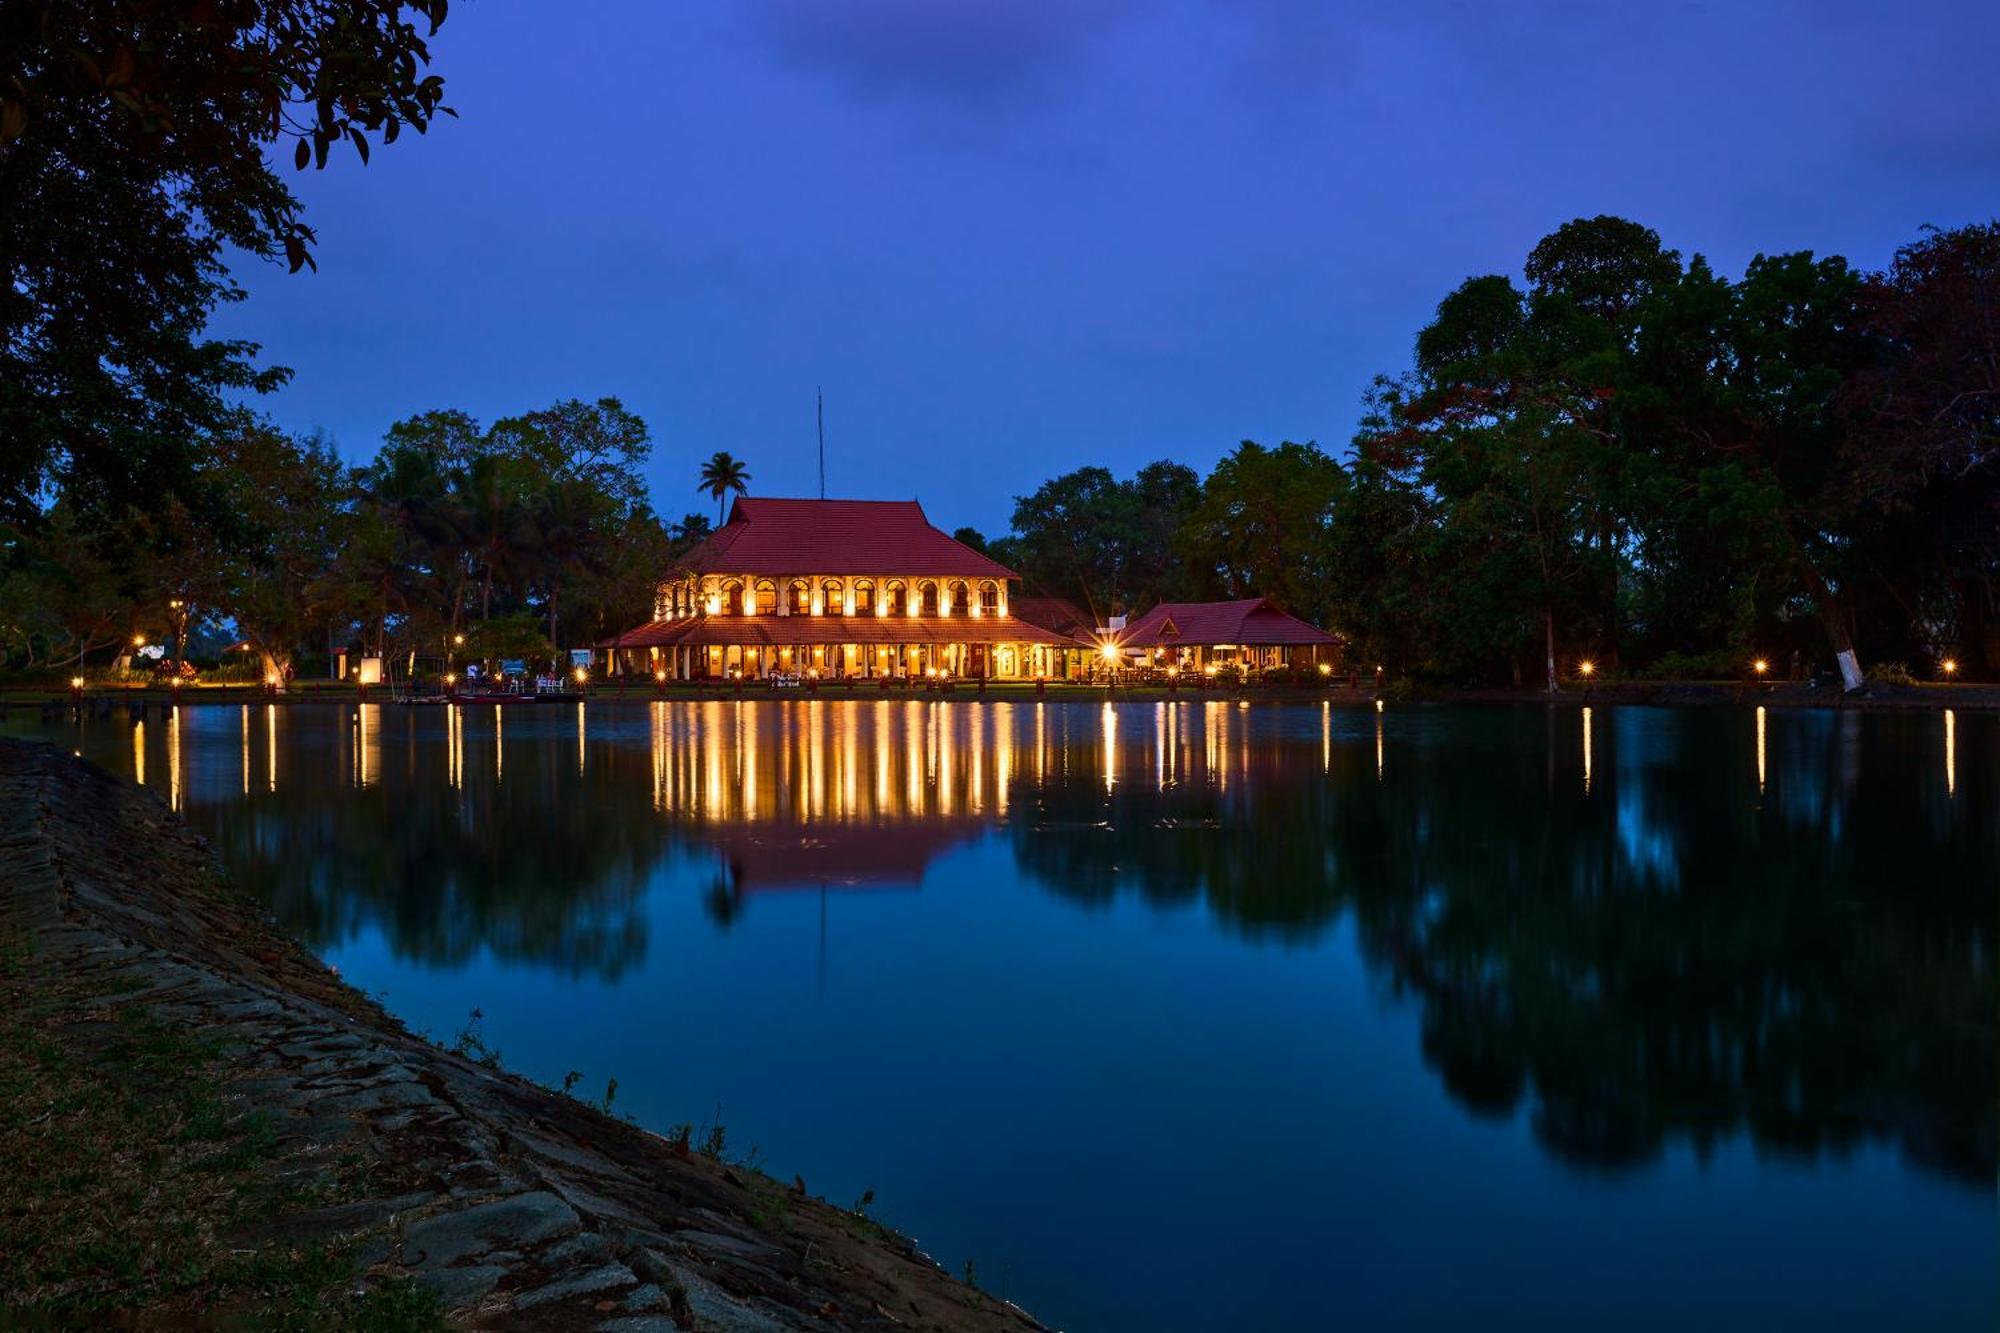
column 451, row 685
column 76, row 692
column 660, row 681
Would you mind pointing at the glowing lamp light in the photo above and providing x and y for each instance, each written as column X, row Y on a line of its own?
column 451, row 678
column 1949, row 666
column 1325, row 670
column 76, row 682
column 138, row 641
column 1586, row 667
column 458, row 640
column 1208, row 671
column 931, row 672
column 582, row 675
column 1760, row 666
column 271, row 679
column 660, row 676
column 1110, row 651
column 1378, row 705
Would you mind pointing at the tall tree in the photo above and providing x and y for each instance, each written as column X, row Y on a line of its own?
column 721, row 475
column 135, row 147
column 1262, row 524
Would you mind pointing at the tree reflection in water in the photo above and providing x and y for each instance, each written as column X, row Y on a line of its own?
column 1785, row 930
column 1664, row 955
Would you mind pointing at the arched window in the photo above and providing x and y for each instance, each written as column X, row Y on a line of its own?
column 833, row 597
column 864, row 597
column 767, row 598
column 732, row 599
column 899, row 598
column 989, row 598
column 800, row 598
column 955, row 603
column 927, row 598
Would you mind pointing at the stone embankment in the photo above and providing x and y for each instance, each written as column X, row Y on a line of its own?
column 518, row 1206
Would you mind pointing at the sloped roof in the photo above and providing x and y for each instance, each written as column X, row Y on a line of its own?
column 1057, row 614
column 1251, row 620
column 848, row 537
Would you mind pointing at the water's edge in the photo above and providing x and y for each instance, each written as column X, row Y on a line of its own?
column 515, row 1203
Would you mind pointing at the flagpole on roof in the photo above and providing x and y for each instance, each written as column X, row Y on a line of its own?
column 819, row 412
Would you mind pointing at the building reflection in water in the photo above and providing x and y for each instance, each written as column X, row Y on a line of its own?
column 1675, row 931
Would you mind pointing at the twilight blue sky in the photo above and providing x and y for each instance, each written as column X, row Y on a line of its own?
column 1012, row 238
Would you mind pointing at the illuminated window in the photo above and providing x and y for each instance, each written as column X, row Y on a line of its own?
column 767, row 598
column 835, row 598
column 989, row 598
column 927, row 598
column 956, row 602
column 899, row 598
column 864, row 597
column 799, row 597
column 733, row 599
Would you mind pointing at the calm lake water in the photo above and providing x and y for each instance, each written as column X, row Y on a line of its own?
column 1202, row 1016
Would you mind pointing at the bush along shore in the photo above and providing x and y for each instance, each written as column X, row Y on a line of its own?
column 201, row 1122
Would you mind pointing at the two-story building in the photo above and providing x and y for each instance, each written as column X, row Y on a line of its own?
column 840, row 589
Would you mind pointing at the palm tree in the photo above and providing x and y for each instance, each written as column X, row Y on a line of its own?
column 720, row 475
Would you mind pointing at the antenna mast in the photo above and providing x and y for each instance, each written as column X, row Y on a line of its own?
column 819, row 409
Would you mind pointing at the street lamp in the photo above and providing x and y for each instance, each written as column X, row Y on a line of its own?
column 1760, row 666
column 1586, row 668
column 1949, row 666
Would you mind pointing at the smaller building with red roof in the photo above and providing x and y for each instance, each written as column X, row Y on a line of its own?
column 1248, row 633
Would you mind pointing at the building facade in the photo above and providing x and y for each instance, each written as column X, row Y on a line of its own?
column 1248, row 634
column 839, row 589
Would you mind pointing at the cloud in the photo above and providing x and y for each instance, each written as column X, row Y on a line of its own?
column 975, row 55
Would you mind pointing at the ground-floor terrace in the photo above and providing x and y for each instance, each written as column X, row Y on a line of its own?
column 847, row 648
column 1207, row 658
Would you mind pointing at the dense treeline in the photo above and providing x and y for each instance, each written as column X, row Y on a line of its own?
column 1630, row 458
column 498, row 541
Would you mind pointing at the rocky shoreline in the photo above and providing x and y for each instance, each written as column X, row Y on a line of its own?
column 513, row 1205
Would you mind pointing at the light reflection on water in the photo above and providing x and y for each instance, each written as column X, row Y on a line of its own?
column 1184, row 1014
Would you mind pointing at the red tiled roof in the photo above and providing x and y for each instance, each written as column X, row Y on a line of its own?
column 779, row 631
column 1253, row 621
column 1057, row 614
column 847, row 537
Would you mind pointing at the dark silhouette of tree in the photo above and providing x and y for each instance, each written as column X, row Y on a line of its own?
column 722, row 475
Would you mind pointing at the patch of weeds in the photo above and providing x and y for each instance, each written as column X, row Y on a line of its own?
column 470, row 1044
column 975, row 1296
column 716, row 1141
